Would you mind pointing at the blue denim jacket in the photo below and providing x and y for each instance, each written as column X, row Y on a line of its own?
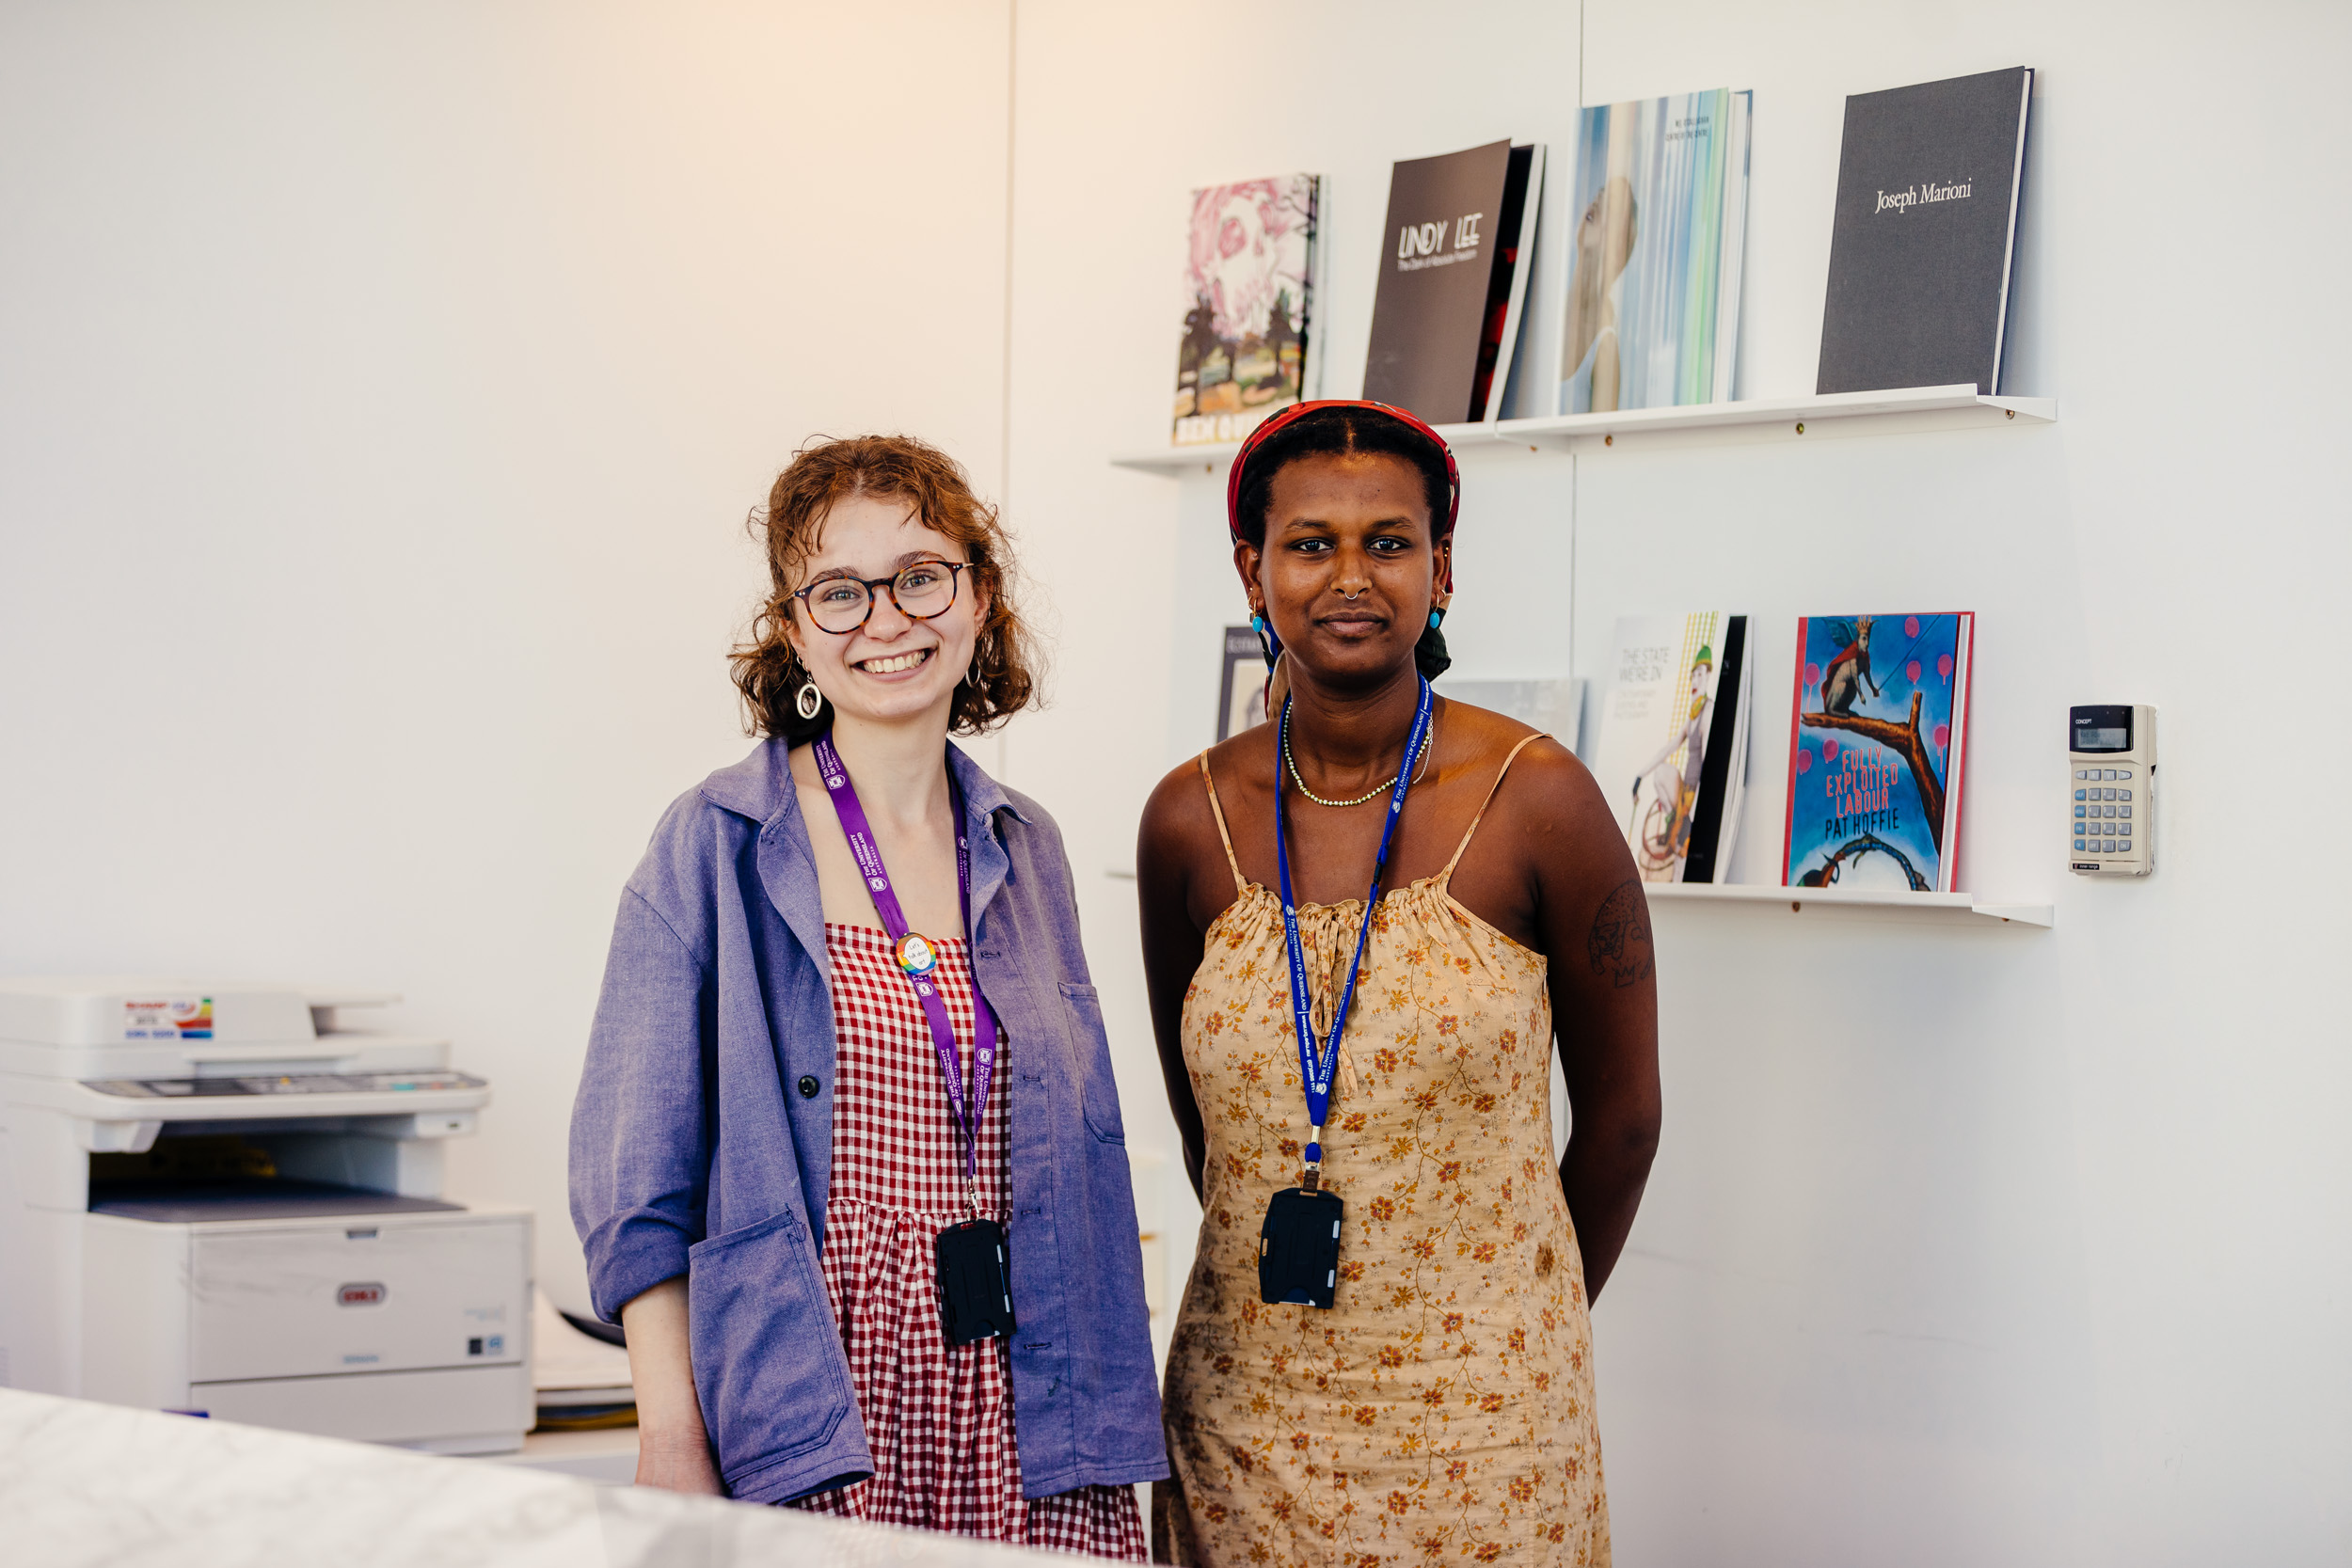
column 697, row 1147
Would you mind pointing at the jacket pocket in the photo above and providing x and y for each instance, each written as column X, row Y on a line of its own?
column 768, row 1361
column 1098, row 1088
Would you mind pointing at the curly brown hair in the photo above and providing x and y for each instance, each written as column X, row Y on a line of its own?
column 824, row 473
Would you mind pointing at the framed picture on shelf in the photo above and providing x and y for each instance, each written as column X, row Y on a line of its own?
column 1241, row 692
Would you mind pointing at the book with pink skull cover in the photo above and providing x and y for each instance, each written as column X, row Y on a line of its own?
column 1877, row 747
column 1248, row 344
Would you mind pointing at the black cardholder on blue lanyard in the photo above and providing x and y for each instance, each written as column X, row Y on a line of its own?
column 1298, row 1244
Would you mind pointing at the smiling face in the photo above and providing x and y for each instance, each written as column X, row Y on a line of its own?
column 894, row 669
column 1347, row 574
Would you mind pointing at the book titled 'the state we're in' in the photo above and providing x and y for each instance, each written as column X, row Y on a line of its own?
column 1672, row 754
column 1922, row 247
column 1250, row 346
column 1877, row 748
column 1660, row 194
column 1446, row 315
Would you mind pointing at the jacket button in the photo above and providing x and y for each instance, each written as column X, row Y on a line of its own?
column 809, row 1087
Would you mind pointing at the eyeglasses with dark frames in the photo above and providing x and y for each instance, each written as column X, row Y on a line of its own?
column 922, row 591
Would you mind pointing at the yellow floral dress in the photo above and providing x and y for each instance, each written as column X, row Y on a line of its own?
column 1442, row 1410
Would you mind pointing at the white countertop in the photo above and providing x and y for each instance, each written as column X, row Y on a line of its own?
column 87, row 1484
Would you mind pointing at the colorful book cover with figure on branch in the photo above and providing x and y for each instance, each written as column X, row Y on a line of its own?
column 1877, row 745
column 1249, row 295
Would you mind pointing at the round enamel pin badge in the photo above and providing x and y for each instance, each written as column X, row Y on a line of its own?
column 915, row 955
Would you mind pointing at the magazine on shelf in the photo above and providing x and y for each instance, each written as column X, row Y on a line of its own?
column 1671, row 752
column 1241, row 688
column 1877, row 748
column 1446, row 315
column 1660, row 191
column 1921, row 249
column 1251, row 345
column 1555, row 707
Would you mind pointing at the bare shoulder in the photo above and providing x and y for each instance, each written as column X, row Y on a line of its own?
column 1544, row 773
column 1177, row 808
column 1178, row 827
column 1547, row 813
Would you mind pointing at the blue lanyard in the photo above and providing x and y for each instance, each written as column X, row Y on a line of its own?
column 917, row 957
column 1315, row 1067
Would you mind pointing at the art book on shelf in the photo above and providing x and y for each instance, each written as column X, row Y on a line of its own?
column 1877, row 747
column 1446, row 315
column 1672, row 751
column 1241, row 682
column 1250, row 343
column 1660, row 194
column 1921, row 250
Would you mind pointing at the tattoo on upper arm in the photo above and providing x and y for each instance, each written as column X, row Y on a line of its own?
column 1619, row 943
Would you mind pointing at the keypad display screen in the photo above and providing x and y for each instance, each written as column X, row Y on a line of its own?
column 2100, row 727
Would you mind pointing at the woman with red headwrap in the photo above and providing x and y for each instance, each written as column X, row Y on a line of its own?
column 1385, row 1349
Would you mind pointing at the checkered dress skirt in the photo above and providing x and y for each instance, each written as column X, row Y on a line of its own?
column 939, row 1416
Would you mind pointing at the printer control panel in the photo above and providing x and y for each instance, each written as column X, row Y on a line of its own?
column 285, row 1084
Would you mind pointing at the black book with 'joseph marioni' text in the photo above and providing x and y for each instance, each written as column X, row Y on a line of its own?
column 1921, row 251
column 1445, row 318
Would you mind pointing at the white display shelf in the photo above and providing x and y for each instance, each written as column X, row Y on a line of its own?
column 1943, row 907
column 1832, row 415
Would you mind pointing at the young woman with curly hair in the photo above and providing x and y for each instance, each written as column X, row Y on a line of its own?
column 846, row 1158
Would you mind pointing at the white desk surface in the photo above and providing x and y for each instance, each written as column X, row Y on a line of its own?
column 83, row 1484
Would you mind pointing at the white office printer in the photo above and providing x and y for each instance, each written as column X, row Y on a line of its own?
column 215, row 1199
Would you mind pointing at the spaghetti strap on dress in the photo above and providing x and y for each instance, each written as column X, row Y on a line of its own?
column 1241, row 884
column 1442, row 1411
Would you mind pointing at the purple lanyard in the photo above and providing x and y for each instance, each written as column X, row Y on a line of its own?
column 918, row 959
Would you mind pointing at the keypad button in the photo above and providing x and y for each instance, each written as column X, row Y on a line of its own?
column 2080, row 793
column 2078, row 844
column 2122, row 772
column 2110, row 848
column 2079, row 810
column 2126, row 794
column 2106, row 795
column 2127, row 811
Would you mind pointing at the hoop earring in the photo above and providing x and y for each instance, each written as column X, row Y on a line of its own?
column 809, row 699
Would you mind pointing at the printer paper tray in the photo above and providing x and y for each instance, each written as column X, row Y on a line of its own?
column 253, row 1200
column 82, row 1101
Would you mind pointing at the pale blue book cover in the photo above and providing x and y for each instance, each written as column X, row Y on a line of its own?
column 1660, row 195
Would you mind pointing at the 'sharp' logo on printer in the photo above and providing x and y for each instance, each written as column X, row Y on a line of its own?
column 364, row 1293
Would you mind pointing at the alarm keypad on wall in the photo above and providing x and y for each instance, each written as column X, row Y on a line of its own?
column 2111, row 787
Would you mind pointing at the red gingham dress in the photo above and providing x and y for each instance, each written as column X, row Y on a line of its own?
column 939, row 1416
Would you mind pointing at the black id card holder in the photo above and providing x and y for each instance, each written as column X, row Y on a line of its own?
column 974, row 1282
column 1299, row 1248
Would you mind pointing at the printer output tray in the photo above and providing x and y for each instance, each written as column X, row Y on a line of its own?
column 179, row 1203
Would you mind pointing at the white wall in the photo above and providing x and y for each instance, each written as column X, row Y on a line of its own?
column 1964, row 1245
column 381, row 391
column 382, row 388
